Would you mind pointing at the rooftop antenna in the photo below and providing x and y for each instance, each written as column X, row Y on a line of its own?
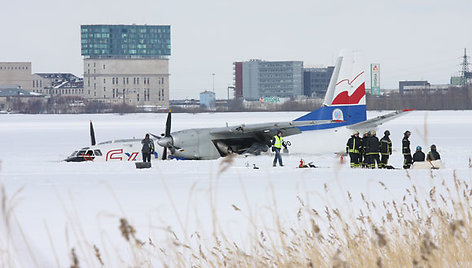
column 465, row 67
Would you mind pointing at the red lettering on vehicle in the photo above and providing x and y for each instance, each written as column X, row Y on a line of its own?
column 113, row 154
column 133, row 156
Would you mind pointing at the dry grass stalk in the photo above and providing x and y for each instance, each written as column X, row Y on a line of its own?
column 75, row 259
column 98, row 255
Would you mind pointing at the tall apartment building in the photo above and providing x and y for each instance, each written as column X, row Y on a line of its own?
column 127, row 63
column 316, row 81
column 258, row 78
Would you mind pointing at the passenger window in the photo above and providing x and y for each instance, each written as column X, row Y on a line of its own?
column 98, row 153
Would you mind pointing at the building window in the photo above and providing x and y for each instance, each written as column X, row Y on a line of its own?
column 137, row 80
column 103, row 66
column 104, row 89
column 104, row 80
column 134, row 80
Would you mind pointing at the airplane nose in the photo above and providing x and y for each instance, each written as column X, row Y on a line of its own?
column 165, row 142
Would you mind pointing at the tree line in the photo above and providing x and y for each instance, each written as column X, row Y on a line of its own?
column 451, row 99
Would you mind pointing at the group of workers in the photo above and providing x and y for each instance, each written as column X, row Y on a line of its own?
column 364, row 152
column 368, row 151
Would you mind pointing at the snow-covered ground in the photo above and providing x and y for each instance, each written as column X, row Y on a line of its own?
column 65, row 205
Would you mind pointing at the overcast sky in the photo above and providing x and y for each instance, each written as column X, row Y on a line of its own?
column 411, row 39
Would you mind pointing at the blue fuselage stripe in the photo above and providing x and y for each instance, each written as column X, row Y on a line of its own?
column 351, row 114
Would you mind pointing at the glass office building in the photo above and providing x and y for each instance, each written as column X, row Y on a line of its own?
column 125, row 41
column 258, row 78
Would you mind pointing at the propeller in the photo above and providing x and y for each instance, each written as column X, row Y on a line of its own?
column 166, row 141
column 92, row 134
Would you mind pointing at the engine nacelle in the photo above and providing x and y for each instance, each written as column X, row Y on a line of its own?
column 194, row 144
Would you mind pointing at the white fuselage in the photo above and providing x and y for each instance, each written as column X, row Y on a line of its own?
column 127, row 150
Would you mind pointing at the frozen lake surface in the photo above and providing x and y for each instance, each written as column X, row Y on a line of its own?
column 77, row 205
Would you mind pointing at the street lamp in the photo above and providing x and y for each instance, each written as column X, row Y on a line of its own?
column 213, row 74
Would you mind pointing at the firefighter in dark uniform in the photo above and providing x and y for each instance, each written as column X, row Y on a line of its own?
column 372, row 150
column 406, row 150
column 362, row 158
column 148, row 148
column 433, row 154
column 353, row 148
column 385, row 149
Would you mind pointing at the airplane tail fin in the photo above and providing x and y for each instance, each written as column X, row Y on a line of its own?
column 345, row 97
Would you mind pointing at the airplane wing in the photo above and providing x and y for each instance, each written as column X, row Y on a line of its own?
column 263, row 131
column 376, row 121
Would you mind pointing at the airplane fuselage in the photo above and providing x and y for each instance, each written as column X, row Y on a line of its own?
column 119, row 150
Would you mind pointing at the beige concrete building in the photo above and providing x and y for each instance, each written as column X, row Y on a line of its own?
column 137, row 82
column 19, row 74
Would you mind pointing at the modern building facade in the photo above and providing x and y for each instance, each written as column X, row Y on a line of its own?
column 127, row 63
column 257, row 78
column 127, row 41
column 316, row 81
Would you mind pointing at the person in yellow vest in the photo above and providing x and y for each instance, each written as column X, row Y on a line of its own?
column 277, row 143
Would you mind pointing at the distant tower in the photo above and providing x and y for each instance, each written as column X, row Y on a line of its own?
column 465, row 68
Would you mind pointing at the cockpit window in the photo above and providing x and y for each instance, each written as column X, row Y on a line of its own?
column 98, row 153
column 81, row 153
column 89, row 152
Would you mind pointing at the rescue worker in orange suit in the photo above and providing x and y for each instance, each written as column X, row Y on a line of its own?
column 353, row 148
column 406, row 150
column 385, row 149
